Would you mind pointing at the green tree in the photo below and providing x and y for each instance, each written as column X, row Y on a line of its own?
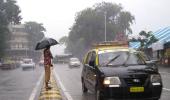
column 125, row 19
column 89, row 26
column 147, row 40
column 12, row 11
column 9, row 13
column 36, row 32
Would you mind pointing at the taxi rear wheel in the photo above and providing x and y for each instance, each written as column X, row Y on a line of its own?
column 84, row 89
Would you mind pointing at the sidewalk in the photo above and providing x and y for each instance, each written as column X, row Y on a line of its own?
column 52, row 94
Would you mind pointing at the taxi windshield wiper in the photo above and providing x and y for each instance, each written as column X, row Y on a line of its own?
column 111, row 60
column 124, row 63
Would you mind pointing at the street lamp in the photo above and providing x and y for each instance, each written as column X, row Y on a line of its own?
column 105, row 14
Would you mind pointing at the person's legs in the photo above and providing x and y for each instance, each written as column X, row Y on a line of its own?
column 47, row 76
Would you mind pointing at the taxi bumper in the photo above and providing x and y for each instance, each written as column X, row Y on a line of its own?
column 149, row 93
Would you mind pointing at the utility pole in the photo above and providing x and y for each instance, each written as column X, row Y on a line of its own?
column 105, row 14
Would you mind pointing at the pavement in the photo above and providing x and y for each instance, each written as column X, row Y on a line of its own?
column 51, row 94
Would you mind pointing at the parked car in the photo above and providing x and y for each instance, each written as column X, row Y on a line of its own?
column 74, row 62
column 115, row 72
column 27, row 64
column 8, row 64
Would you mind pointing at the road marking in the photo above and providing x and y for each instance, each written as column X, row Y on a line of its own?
column 34, row 91
column 166, row 89
column 66, row 93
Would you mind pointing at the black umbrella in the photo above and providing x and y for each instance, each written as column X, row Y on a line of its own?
column 45, row 42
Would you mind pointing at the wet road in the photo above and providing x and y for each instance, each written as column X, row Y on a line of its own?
column 71, row 79
column 17, row 84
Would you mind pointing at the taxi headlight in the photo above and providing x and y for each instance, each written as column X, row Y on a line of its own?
column 112, row 81
column 156, row 79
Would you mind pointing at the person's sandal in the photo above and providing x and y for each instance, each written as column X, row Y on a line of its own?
column 49, row 82
column 48, row 88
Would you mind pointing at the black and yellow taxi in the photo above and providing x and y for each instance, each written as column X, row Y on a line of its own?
column 114, row 71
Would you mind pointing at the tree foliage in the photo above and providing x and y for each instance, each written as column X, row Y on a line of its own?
column 9, row 13
column 89, row 26
column 147, row 40
column 36, row 32
column 12, row 11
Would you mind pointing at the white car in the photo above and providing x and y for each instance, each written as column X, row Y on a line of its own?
column 27, row 63
column 74, row 62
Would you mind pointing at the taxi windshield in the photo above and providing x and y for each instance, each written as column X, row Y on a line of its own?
column 120, row 58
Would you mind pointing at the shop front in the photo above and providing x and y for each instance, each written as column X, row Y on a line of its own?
column 166, row 59
column 158, row 51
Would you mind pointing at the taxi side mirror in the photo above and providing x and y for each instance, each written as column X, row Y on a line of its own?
column 153, row 64
column 152, row 61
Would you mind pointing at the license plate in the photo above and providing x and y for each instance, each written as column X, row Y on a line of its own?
column 136, row 89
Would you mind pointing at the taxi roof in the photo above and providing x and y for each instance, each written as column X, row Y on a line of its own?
column 112, row 48
column 111, row 45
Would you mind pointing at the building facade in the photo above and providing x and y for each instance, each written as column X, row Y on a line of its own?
column 18, row 45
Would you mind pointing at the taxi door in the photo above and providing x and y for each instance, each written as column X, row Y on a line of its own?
column 90, row 71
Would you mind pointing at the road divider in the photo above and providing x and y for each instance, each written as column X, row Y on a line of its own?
column 50, row 94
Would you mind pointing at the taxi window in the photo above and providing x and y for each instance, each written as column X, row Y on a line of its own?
column 91, row 58
column 88, row 58
column 92, row 61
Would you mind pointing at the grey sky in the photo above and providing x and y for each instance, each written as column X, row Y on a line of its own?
column 58, row 15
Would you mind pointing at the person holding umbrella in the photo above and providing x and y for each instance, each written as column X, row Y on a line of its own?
column 47, row 65
column 45, row 44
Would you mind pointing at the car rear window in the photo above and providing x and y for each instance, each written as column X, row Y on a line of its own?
column 74, row 59
column 27, row 61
